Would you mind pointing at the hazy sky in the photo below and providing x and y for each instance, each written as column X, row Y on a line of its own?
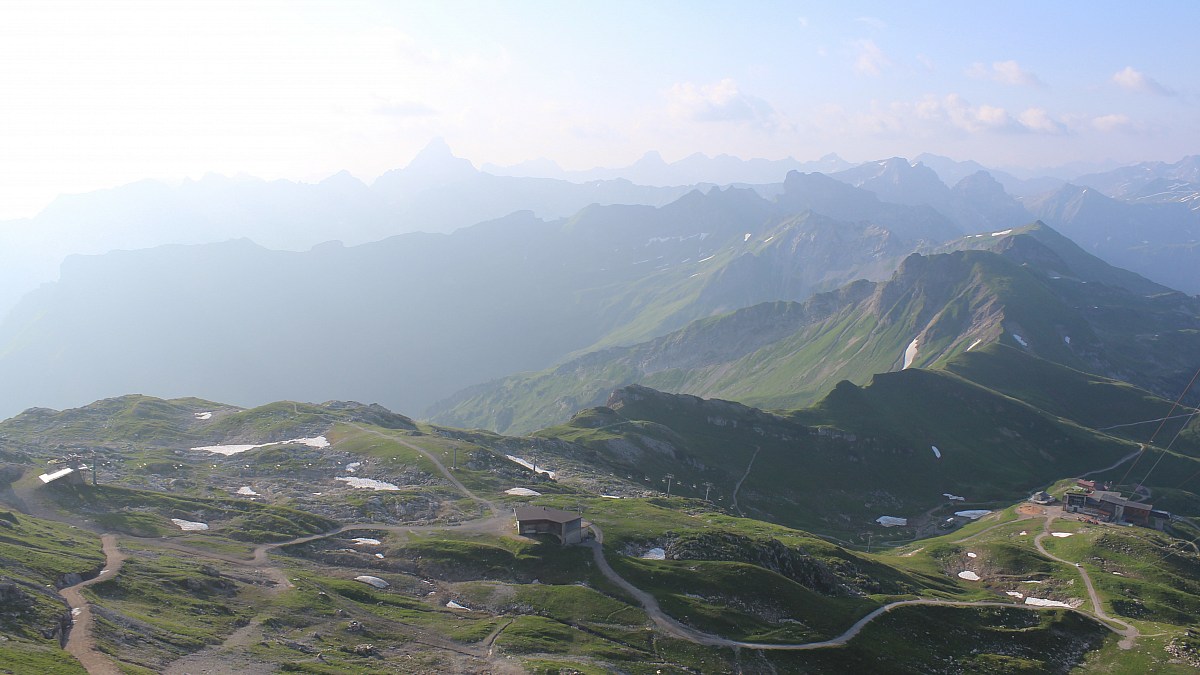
column 97, row 94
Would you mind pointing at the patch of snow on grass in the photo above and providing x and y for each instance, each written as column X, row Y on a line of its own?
column 372, row 581
column 707, row 259
column 972, row 555
column 1014, row 594
column 454, row 605
column 612, row 496
column 1001, row 233
column 372, row 484
column 953, row 498
column 1042, row 602
column 1023, row 533
column 189, row 526
column 531, row 466
column 891, row 521
column 655, row 554
column 379, row 555
column 910, row 352
column 974, row 344
column 247, row 490
column 768, row 239
column 1061, row 534
column 1020, row 340
column 1067, row 339
column 522, row 492
column 202, row 415
column 747, row 237
column 234, row 449
column 936, row 453
column 973, row 514
column 353, row 466
column 366, row 541
column 968, row 575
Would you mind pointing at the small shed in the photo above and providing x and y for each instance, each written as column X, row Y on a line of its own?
column 566, row 525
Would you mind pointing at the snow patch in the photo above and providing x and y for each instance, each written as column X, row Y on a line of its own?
column 202, row 415
column 1001, row 233
column 247, row 490
column 1023, row 533
column 1020, row 340
column 1061, row 534
column 1067, row 339
column 1014, row 594
column 234, row 449
column 747, row 237
column 612, row 496
column 372, row 581
column 968, row 575
column 353, row 466
column 379, row 555
column 910, row 352
column 891, row 521
column 366, row 541
column 936, row 453
column 953, row 498
column 974, row 344
column 707, row 259
column 973, row 514
column 768, row 239
column 356, row 482
column 1042, row 602
column 522, row 492
column 454, row 605
column 655, row 554
column 531, row 466
column 972, row 555
column 189, row 526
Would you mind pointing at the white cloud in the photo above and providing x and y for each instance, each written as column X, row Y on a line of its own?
column 870, row 60
column 1135, row 80
column 405, row 109
column 1039, row 121
column 1005, row 72
column 718, row 102
column 1111, row 123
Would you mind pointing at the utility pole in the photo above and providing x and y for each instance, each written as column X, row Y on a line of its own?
column 707, row 486
column 670, row 477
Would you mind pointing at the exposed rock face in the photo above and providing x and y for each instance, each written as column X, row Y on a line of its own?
column 12, row 598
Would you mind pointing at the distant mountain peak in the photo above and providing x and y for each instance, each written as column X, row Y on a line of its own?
column 437, row 156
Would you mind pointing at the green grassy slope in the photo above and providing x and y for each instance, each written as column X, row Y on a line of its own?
column 1016, row 290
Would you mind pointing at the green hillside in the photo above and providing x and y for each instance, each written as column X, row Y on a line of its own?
column 1029, row 289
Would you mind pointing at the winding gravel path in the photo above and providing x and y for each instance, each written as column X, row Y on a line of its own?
column 676, row 629
column 1128, row 632
column 80, row 642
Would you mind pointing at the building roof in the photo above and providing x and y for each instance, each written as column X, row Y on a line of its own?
column 546, row 513
column 48, row 477
column 1113, row 498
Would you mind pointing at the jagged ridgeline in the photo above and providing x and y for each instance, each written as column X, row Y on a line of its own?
column 1027, row 288
column 411, row 319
